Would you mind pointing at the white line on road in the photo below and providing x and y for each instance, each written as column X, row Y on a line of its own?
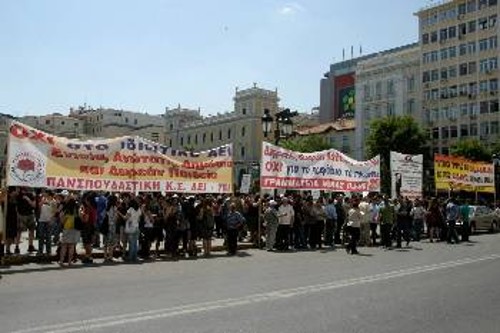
column 110, row 321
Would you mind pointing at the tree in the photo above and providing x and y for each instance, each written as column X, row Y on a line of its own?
column 472, row 149
column 394, row 133
column 306, row 144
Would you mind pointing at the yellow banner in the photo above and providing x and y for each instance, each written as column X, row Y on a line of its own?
column 459, row 174
column 125, row 164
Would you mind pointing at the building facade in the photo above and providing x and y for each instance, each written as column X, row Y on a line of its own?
column 459, row 71
column 242, row 127
column 56, row 124
column 340, row 134
column 386, row 84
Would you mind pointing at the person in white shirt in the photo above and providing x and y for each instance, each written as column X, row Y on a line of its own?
column 364, row 207
column 286, row 216
column 47, row 215
column 354, row 220
column 418, row 214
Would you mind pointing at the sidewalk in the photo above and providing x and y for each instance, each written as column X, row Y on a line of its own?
column 26, row 258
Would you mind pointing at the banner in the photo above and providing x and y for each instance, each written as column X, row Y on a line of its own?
column 459, row 174
column 246, row 182
column 125, row 164
column 328, row 170
column 406, row 175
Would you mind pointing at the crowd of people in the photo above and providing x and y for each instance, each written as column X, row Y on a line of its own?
column 132, row 225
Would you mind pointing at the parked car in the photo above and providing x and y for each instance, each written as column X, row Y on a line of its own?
column 482, row 218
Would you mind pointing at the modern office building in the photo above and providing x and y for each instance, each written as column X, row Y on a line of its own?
column 459, row 66
column 386, row 84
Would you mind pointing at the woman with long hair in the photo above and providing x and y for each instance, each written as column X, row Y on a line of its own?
column 70, row 235
column 110, row 238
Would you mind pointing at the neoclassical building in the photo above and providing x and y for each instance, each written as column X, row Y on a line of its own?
column 242, row 127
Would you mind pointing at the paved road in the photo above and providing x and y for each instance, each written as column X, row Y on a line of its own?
column 427, row 288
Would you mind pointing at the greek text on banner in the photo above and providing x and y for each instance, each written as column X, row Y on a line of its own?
column 125, row 164
column 328, row 170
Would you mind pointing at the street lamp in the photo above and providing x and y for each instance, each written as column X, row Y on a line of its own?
column 284, row 124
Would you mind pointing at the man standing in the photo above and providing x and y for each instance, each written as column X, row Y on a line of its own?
column 331, row 220
column 464, row 216
column 26, row 213
column 286, row 216
column 365, row 207
column 452, row 214
column 341, row 214
column 271, row 222
column 387, row 217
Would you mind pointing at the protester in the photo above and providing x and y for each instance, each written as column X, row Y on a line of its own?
column 26, row 204
column 354, row 220
column 132, row 218
column 207, row 223
column 48, row 210
column 70, row 235
column 331, row 221
column 418, row 213
column 110, row 235
column 271, row 222
column 387, row 218
column 12, row 232
column 452, row 215
column 234, row 223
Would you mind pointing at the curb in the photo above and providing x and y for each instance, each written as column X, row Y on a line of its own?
column 16, row 260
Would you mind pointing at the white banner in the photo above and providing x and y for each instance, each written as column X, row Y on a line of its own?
column 328, row 170
column 406, row 175
column 246, row 180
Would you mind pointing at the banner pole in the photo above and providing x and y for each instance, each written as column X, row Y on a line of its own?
column 6, row 200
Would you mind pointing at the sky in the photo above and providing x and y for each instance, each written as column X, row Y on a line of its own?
column 147, row 55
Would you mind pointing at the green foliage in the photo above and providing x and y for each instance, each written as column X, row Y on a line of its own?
column 306, row 144
column 394, row 133
column 473, row 149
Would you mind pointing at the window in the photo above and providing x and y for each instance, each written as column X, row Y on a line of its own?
column 473, row 109
column 425, row 38
column 434, row 36
column 462, row 49
column 472, row 26
column 444, row 74
column 182, row 141
column 464, row 109
column 453, row 131
column 126, row 120
column 483, row 3
column 189, row 140
column 471, row 47
column 452, row 32
column 494, row 85
column 473, row 129
column 196, row 139
column 411, row 84
column 483, row 44
column 390, row 87
column 484, row 128
column 483, row 86
column 434, row 75
column 75, row 124
column 170, row 142
column 482, row 23
column 243, row 131
column 212, row 137
column 494, row 106
column 453, row 91
column 492, row 2
column 493, row 63
column 62, row 123
column 444, row 54
column 462, row 89
column 483, row 107
column 242, row 152
column 425, row 77
column 471, row 6
column 462, row 29
column 452, row 71
column 434, row 56
column 473, row 88
column 472, row 67
column 443, row 34
column 229, row 134
column 244, row 111
column 410, row 107
column 378, row 89
column 135, row 121
column 492, row 21
column 462, row 9
column 220, row 135
column 494, row 127
column 464, row 130
column 483, row 65
column 493, row 42
column 204, row 138
column 47, row 122
column 452, row 52
column 445, row 134
column 463, row 69
column 171, row 126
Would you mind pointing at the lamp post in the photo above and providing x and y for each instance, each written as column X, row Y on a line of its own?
column 284, row 124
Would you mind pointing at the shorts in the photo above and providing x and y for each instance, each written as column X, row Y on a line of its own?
column 27, row 222
column 70, row 236
column 88, row 232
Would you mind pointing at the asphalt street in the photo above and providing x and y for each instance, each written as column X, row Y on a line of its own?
column 425, row 288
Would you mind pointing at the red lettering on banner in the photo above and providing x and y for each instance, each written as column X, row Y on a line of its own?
column 22, row 132
column 198, row 187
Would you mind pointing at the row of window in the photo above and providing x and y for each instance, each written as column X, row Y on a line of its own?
column 368, row 92
column 461, row 30
column 204, row 136
column 48, row 122
column 486, row 65
column 389, row 110
column 465, row 130
column 464, row 90
column 464, row 109
column 469, row 48
column 452, row 13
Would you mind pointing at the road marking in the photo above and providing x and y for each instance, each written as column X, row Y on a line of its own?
column 117, row 320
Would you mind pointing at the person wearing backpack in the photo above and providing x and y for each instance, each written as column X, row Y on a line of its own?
column 132, row 219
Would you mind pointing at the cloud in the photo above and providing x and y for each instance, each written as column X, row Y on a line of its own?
column 290, row 9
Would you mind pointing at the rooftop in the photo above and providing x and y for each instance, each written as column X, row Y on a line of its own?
column 339, row 125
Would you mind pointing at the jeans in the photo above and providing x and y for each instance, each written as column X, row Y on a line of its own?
column 232, row 241
column 133, row 239
column 299, row 239
column 44, row 233
column 283, row 237
column 452, row 232
column 385, row 235
column 354, row 234
column 418, row 229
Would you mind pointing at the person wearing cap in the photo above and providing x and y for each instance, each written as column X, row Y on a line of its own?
column 271, row 223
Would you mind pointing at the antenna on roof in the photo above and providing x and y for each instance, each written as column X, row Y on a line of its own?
column 343, row 54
